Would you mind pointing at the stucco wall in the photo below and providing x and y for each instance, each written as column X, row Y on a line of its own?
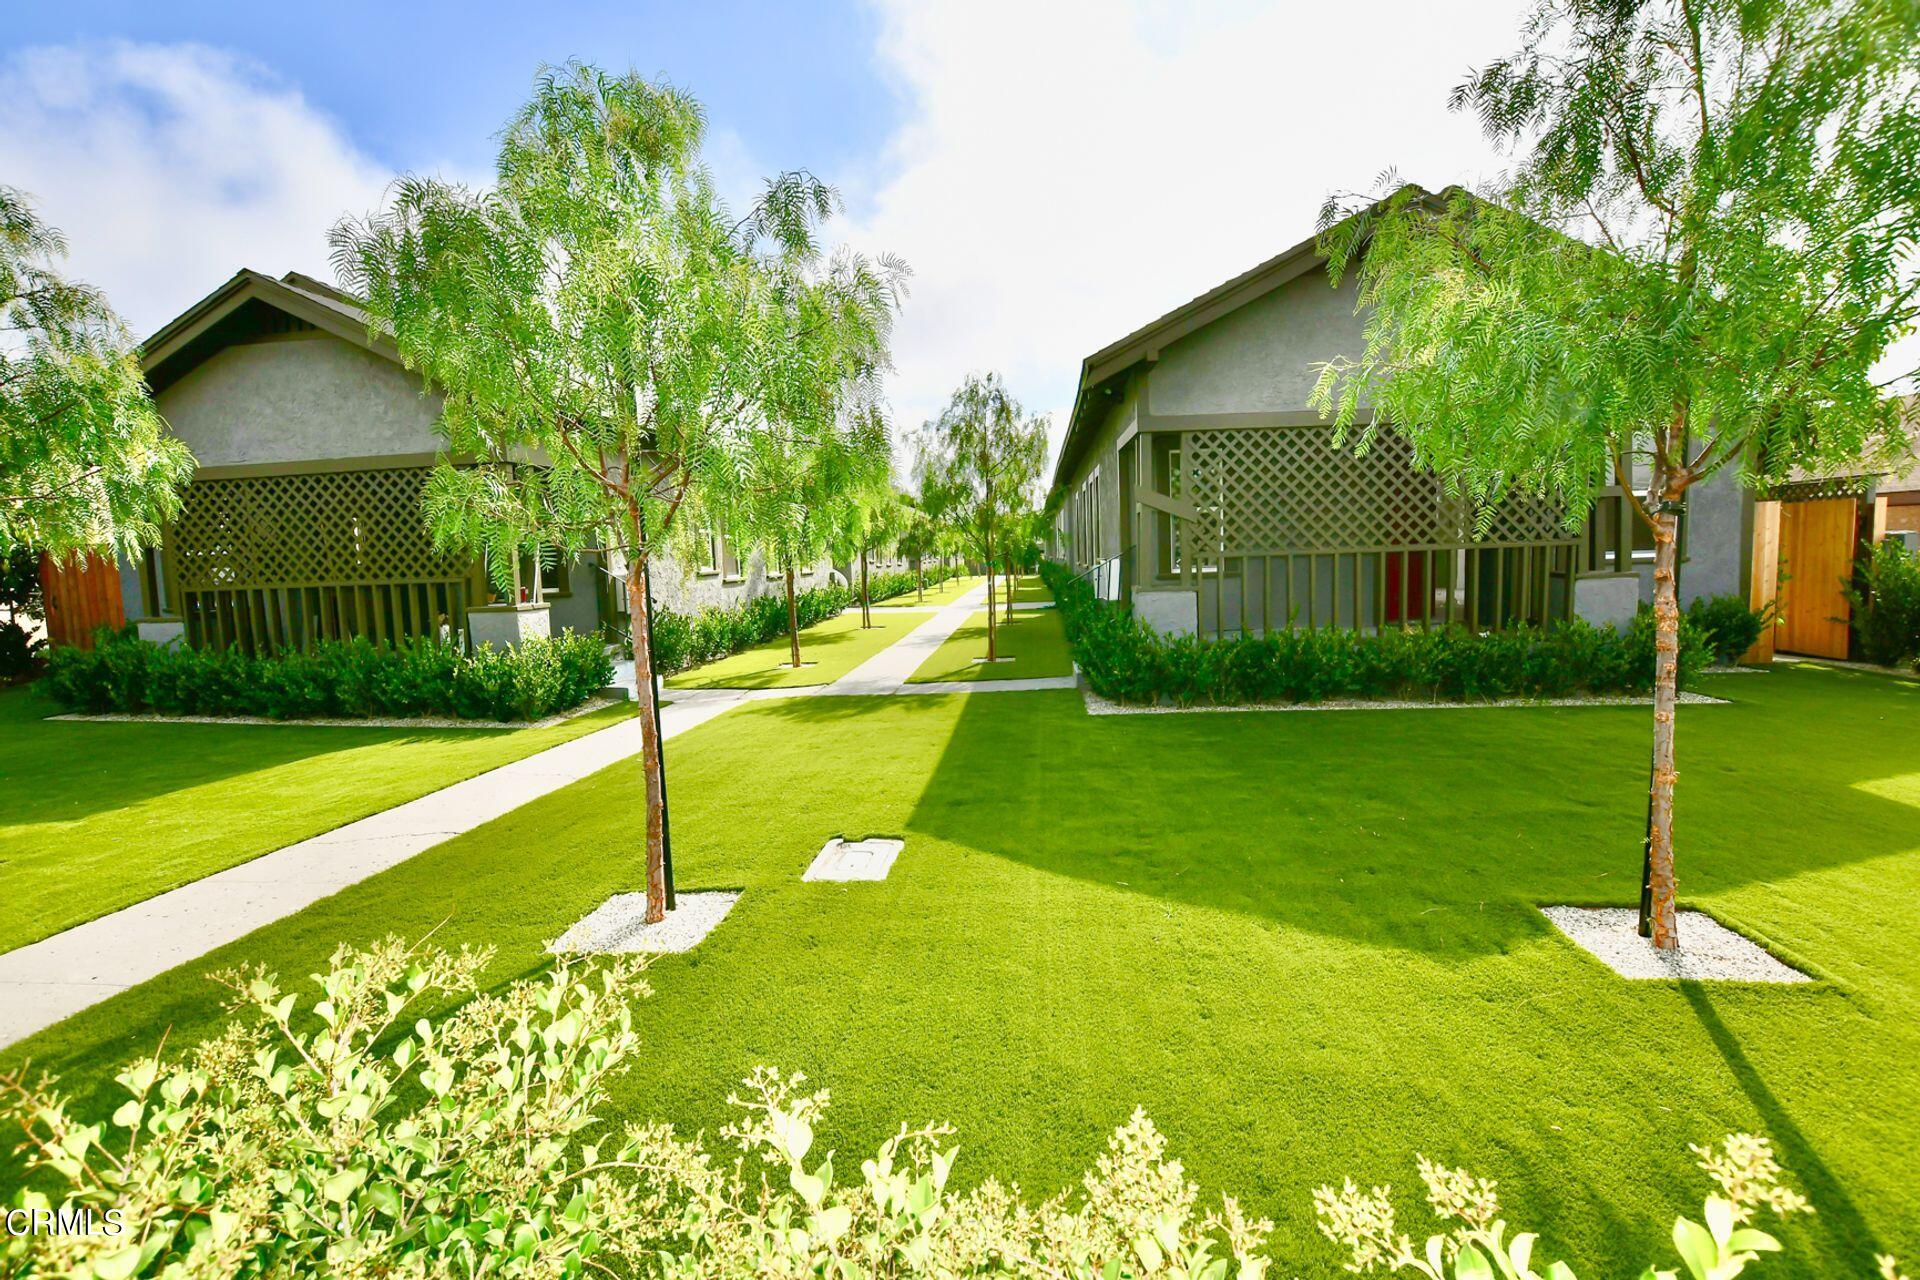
column 684, row 591
column 298, row 399
column 1260, row 358
column 1716, row 539
column 1109, row 538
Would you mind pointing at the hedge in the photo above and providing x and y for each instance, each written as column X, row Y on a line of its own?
column 682, row 640
column 1125, row 661
column 349, row 678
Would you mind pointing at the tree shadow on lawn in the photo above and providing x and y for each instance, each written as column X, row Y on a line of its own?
column 67, row 770
column 1836, row 1218
column 1432, row 831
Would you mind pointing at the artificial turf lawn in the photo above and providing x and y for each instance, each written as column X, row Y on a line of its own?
column 1307, row 944
column 1029, row 589
column 946, row 593
column 101, row 816
column 1032, row 638
column 829, row 649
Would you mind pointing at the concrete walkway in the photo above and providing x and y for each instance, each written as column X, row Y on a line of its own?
column 45, row 981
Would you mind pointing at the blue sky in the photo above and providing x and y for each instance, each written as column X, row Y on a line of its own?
column 420, row 84
column 1055, row 172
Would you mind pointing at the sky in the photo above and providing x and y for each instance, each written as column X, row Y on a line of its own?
column 1055, row 172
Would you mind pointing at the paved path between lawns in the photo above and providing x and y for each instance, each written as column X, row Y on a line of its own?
column 56, row 977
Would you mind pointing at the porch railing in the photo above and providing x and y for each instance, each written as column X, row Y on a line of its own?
column 1487, row 586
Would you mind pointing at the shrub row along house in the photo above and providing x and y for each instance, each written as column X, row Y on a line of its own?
column 1197, row 485
column 303, row 520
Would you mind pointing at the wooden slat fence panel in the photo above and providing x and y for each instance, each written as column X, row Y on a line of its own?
column 80, row 595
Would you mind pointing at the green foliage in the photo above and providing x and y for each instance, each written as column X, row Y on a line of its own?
column 86, row 464
column 978, row 466
column 1126, row 661
column 351, row 678
column 1728, row 627
column 900, row 582
column 1476, row 1246
column 1702, row 252
column 602, row 308
column 337, row 1133
column 1886, row 605
column 683, row 640
column 20, row 583
column 19, row 652
column 354, row 1133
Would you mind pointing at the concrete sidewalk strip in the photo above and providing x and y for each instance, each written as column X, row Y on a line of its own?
column 1020, row 684
column 887, row 671
column 56, row 977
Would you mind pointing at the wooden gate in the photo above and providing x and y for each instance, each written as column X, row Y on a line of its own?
column 1816, row 551
column 80, row 595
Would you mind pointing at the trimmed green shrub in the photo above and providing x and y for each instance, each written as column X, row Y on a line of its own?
column 900, row 582
column 715, row 632
column 346, row 1132
column 1886, row 605
column 1727, row 625
column 19, row 652
column 353, row 678
column 1125, row 661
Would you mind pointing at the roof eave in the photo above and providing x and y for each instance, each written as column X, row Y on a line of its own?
column 246, row 284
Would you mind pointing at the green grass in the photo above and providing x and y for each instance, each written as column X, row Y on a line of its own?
column 1028, row 589
column 829, row 649
column 1033, row 638
column 100, row 816
column 946, row 593
column 1307, row 943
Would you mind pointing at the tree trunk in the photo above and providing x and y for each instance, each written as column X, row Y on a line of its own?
column 992, row 634
column 866, row 605
column 1011, row 586
column 920, row 578
column 793, row 620
column 1666, row 674
column 650, row 763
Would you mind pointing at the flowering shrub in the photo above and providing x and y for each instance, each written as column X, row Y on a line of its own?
column 347, row 1135
column 1477, row 1246
column 358, row 677
column 1124, row 660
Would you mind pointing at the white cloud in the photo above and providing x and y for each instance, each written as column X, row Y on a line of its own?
column 1068, row 171
column 170, row 167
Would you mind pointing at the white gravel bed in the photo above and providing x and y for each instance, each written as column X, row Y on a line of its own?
column 1874, row 668
column 1708, row 949
column 1733, row 669
column 617, row 926
column 1099, row 706
column 349, row 722
column 868, row 859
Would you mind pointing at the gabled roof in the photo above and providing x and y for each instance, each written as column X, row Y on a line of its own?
column 1113, row 361
column 1145, row 343
column 208, row 325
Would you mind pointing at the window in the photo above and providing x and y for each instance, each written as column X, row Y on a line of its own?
column 554, row 577
column 707, row 550
column 730, row 570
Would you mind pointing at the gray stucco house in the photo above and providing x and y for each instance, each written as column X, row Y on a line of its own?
column 303, row 518
column 1197, row 485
